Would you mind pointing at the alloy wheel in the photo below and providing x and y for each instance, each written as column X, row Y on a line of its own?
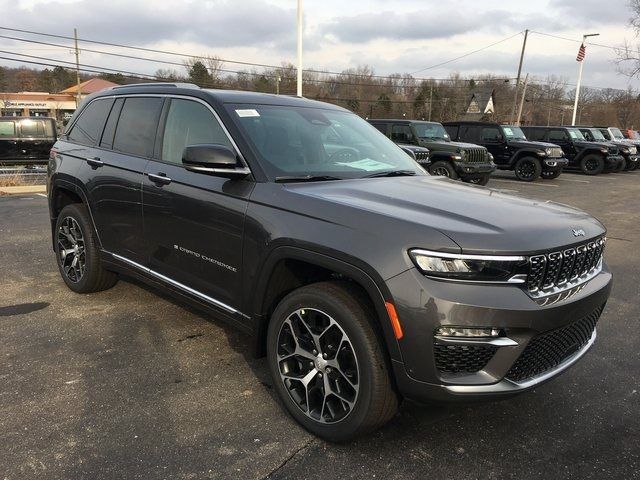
column 318, row 365
column 441, row 171
column 71, row 248
column 526, row 169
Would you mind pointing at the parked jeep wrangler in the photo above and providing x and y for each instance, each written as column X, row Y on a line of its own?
column 591, row 158
column 419, row 154
column 362, row 278
column 511, row 150
column 627, row 149
column 470, row 163
column 612, row 134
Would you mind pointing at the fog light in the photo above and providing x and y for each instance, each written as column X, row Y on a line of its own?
column 468, row 332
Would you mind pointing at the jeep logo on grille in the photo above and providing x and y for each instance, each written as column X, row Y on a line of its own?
column 578, row 232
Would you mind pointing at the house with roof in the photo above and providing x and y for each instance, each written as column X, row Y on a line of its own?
column 481, row 105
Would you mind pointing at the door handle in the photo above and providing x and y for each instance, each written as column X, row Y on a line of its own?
column 95, row 162
column 159, row 178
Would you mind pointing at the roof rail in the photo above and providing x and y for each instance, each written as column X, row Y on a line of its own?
column 158, row 84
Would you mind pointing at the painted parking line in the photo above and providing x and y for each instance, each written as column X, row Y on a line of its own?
column 533, row 184
column 42, row 195
column 572, row 180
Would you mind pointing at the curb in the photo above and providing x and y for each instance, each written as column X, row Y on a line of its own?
column 21, row 190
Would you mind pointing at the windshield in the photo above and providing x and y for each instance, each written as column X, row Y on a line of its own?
column 513, row 133
column 431, row 131
column 575, row 134
column 301, row 141
column 617, row 134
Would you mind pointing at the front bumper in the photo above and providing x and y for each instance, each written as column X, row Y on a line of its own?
column 553, row 164
column 521, row 318
column 613, row 163
column 466, row 169
column 632, row 161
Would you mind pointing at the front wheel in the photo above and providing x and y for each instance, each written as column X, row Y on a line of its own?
column 443, row 169
column 328, row 364
column 527, row 169
column 482, row 179
column 592, row 164
column 550, row 174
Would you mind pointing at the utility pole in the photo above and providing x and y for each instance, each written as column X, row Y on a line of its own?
column 430, row 100
column 75, row 41
column 524, row 93
column 581, row 62
column 515, row 95
column 278, row 79
column 299, row 89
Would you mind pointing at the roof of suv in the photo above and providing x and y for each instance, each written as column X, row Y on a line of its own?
column 220, row 96
column 470, row 122
column 399, row 120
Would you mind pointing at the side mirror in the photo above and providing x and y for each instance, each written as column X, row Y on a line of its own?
column 213, row 158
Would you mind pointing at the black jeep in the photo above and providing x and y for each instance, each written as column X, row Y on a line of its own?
column 470, row 163
column 419, row 154
column 26, row 140
column 628, row 150
column 511, row 150
column 591, row 158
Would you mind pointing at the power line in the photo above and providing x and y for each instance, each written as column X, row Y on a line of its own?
column 467, row 54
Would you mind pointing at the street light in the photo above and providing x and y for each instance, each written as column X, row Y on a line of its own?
column 575, row 103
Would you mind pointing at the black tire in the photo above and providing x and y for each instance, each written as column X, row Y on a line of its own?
column 375, row 401
column 481, row 179
column 550, row 174
column 592, row 164
column 527, row 169
column 87, row 274
column 622, row 166
column 444, row 169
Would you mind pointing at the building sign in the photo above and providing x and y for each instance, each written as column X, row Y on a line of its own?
column 24, row 104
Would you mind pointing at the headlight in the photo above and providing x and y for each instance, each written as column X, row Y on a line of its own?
column 548, row 151
column 463, row 153
column 624, row 150
column 633, row 150
column 490, row 156
column 604, row 150
column 473, row 268
column 457, row 157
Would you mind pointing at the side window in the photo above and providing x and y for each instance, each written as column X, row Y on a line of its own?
column 110, row 126
column 7, row 129
column 136, row 130
column 401, row 133
column 381, row 126
column 558, row 136
column 189, row 123
column 88, row 128
column 491, row 134
column 469, row 133
column 606, row 134
column 534, row 134
column 31, row 128
column 452, row 130
column 588, row 135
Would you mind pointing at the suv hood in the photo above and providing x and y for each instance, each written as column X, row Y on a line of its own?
column 451, row 145
column 477, row 219
column 530, row 144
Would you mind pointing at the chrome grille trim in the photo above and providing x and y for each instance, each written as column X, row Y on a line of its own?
column 555, row 272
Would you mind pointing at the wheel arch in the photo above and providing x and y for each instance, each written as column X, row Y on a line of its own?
column 524, row 152
column 63, row 193
column 288, row 268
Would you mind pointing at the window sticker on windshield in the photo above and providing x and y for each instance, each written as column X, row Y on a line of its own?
column 367, row 164
column 249, row 112
column 572, row 134
column 507, row 131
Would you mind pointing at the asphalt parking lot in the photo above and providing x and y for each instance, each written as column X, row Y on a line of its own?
column 128, row 384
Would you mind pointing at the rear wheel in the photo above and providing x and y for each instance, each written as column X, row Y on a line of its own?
column 443, row 169
column 327, row 362
column 78, row 253
column 592, row 164
column 527, row 169
column 550, row 174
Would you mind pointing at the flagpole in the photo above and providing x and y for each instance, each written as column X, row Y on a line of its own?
column 299, row 28
column 581, row 62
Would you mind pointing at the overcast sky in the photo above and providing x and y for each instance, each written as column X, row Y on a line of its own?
column 403, row 36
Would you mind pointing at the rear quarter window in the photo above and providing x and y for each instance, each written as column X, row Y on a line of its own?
column 88, row 128
column 32, row 128
column 7, row 129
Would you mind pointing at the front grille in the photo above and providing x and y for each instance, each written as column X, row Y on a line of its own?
column 462, row 358
column 475, row 155
column 556, row 269
column 613, row 150
column 550, row 349
column 421, row 157
column 556, row 152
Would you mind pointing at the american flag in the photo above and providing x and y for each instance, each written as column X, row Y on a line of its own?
column 581, row 53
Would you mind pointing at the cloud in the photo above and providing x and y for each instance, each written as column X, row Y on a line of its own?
column 594, row 12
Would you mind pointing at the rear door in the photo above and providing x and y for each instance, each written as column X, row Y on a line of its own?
column 8, row 140
column 114, row 170
column 193, row 222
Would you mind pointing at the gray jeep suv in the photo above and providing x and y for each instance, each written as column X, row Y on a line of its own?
column 362, row 278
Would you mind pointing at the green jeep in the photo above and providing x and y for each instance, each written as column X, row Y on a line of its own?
column 471, row 163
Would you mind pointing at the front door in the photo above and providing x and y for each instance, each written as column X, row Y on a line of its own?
column 493, row 140
column 561, row 138
column 193, row 222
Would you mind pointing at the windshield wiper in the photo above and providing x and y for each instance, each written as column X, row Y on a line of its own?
column 305, row 178
column 392, row 173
